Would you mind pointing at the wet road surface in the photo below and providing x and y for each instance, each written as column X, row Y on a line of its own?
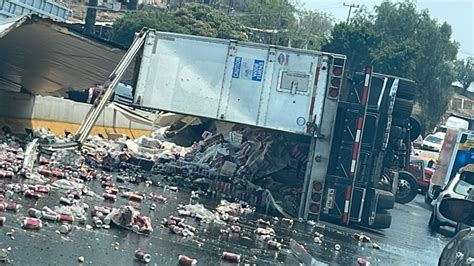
column 407, row 242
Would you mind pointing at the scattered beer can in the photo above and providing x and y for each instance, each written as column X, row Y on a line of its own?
column 3, row 206
column 272, row 244
column 186, row 261
column 65, row 228
column 177, row 219
column 9, row 194
column 82, row 219
column 135, row 197
column 173, row 188
column 31, row 223
column 31, row 194
column 103, row 209
column 363, row 262
column 160, row 199
column 108, row 196
column 97, row 221
column 235, row 229
column 32, row 212
column 230, row 257
column 50, row 215
column 65, row 201
column 108, row 218
column 42, row 189
column 184, row 213
column 66, row 218
column 112, row 190
column 142, row 256
column 13, row 206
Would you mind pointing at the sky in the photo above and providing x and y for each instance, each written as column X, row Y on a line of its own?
column 458, row 13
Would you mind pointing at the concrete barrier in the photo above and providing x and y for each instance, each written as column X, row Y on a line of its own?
column 19, row 111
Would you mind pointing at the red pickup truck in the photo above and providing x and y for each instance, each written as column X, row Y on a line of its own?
column 422, row 169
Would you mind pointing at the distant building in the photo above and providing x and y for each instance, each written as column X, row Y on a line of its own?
column 43, row 8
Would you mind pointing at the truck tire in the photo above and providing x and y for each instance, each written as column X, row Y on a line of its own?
column 402, row 108
column 401, row 122
column 407, row 187
column 382, row 220
column 397, row 132
column 407, row 90
column 415, row 128
column 386, row 200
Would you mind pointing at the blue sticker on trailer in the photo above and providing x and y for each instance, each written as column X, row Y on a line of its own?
column 237, row 64
column 257, row 72
column 249, row 69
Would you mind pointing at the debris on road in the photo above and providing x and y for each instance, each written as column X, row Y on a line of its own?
column 31, row 223
column 230, row 257
column 317, row 240
column 363, row 262
column 186, row 261
column 142, row 256
column 4, row 253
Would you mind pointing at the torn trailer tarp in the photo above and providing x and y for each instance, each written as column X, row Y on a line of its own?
column 45, row 57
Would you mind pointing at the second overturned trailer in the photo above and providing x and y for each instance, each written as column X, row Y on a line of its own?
column 358, row 128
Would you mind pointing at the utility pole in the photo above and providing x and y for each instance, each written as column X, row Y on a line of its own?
column 350, row 9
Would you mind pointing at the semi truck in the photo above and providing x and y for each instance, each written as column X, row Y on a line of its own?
column 358, row 126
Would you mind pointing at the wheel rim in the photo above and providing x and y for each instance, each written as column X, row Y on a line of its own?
column 404, row 188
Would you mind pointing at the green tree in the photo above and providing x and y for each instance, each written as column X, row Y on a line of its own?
column 269, row 20
column 193, row 19
column 399, row 40
column 464, row 71
column 310, row 30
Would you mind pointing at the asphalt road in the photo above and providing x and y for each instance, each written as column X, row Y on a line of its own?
column 407, row 242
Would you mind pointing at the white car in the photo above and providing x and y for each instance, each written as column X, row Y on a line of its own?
column 433, row 142
column 458, row 188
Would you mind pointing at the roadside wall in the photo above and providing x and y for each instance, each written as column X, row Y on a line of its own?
column 19, row 111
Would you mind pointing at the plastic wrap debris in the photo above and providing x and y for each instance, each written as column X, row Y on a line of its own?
column 67, row 157
column 76, row 210
column 36, row 178
column 148, row 142
column 198, row 210
column 66, row 184
column 302, row 254
column 234, row 208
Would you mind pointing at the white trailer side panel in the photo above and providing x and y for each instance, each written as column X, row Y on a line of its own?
column 239, row 82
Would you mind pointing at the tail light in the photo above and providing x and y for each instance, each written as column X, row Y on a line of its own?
column 316, row 197
column 336, row 78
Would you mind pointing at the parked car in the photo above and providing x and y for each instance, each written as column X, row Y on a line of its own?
column 422, row 169
column 457, row 188
column 459, row 251
column 433, row 142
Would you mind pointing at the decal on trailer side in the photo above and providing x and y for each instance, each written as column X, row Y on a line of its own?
column 247, row 68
